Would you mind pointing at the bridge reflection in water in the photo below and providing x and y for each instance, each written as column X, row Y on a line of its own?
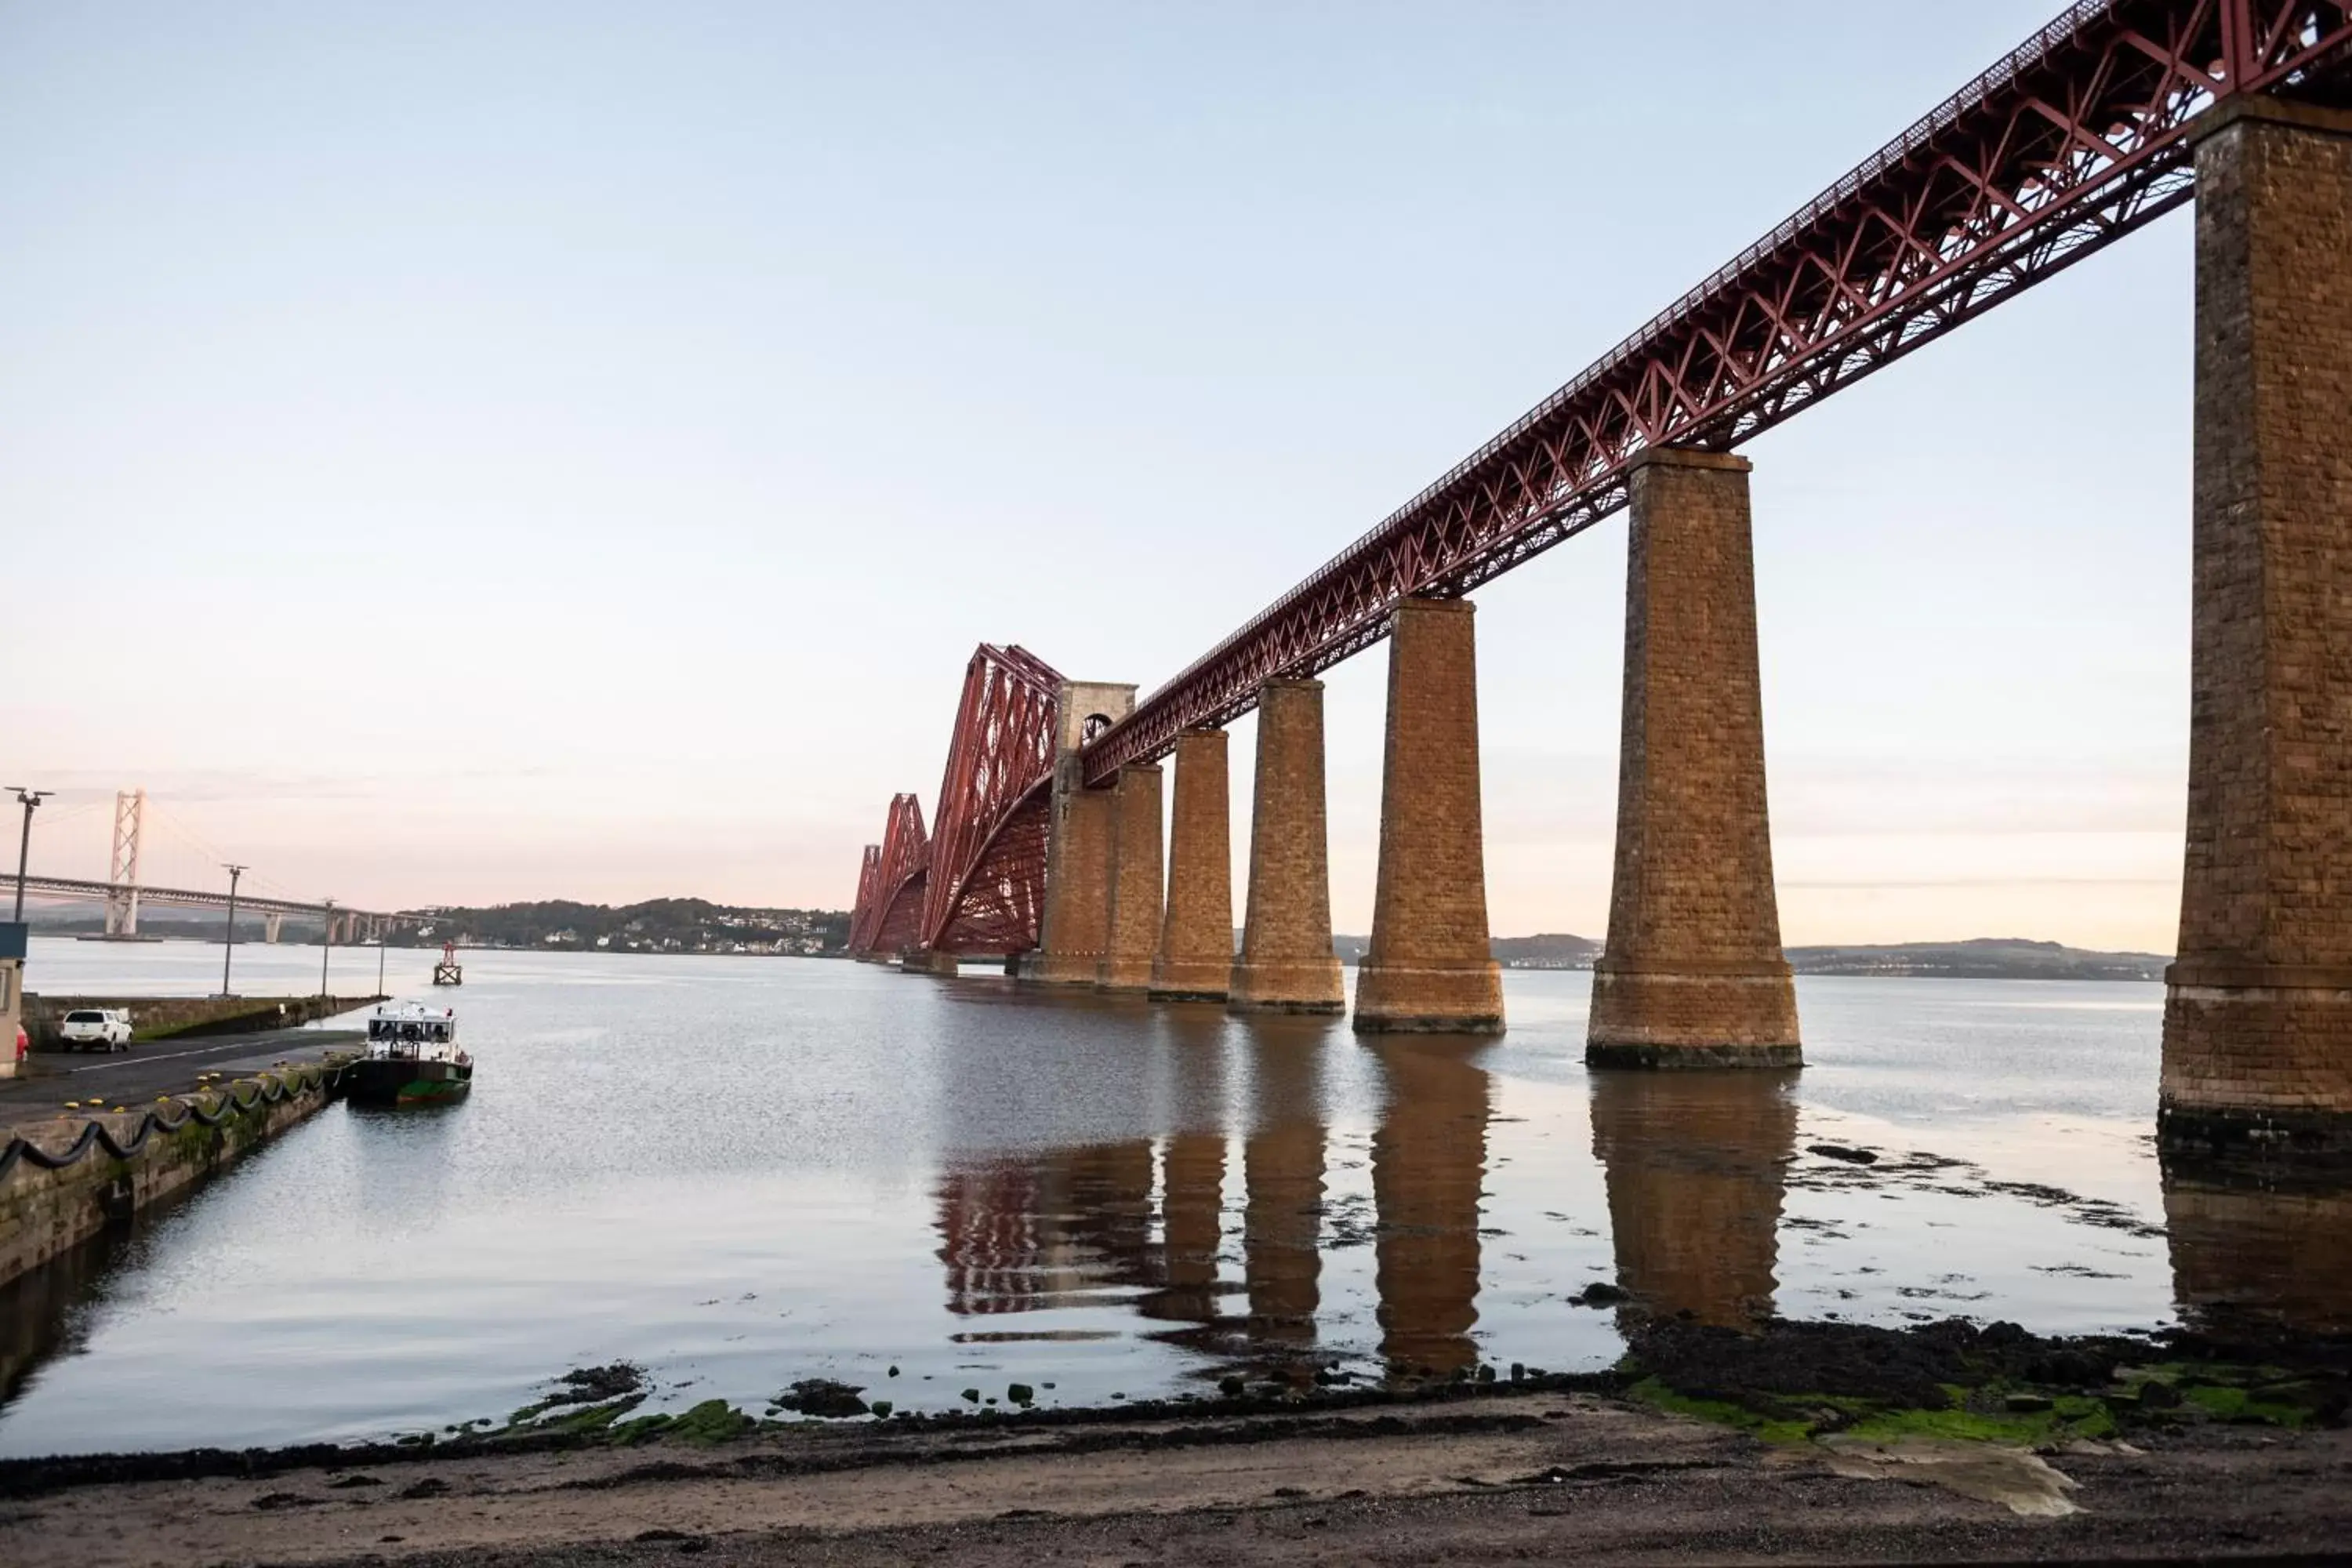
column 1143, row 1223
column 1429, row 1161
column 2251, row 1255
column 1696, row 1165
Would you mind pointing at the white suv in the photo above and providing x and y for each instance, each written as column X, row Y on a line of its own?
column 101, row 1028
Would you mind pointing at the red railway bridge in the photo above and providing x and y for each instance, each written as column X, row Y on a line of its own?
column 1047, row 846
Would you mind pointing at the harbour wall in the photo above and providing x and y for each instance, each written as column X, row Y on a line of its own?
column 65, row 1180
column 164, row 1018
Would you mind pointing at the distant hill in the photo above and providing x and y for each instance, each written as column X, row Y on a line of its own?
column 1548, row 950
column 1981, row 957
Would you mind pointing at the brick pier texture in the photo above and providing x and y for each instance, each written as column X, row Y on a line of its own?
column 1075, row 927
column 1076, row 932
column 1286, row 964
column 2258, row 1007
column 1692, row 975
column 1134, row 879
column 1195, row 960
column 1430, row 966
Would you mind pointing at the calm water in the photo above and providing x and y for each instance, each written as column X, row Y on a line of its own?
column 740, row 1173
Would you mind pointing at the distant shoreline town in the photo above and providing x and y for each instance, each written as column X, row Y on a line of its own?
column 699, row 926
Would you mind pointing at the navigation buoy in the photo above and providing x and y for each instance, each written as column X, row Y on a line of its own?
column 447, row 972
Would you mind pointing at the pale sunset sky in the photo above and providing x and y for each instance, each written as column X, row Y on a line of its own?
column 461, row 454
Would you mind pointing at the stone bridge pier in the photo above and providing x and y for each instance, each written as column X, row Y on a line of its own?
column 1133, row 928
column 1286, row 964
column 1195, row 958
column 1075, row 926
column 2258, row 1005
column 1430, row 965
column 1692, row 975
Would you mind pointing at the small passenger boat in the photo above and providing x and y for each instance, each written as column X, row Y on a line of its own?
column 413, row 1059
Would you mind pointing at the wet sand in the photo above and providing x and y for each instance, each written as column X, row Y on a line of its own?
column 1507, row 1476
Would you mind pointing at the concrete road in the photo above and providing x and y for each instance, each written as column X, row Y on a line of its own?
column 46, row 1079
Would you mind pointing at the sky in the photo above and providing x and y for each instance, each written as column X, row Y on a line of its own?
column 455, row 454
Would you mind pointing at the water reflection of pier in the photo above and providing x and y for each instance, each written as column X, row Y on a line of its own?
column 2255, row 1254
column 1429, row 1161
column 1210, row 1237
column 1695, row 1163
column 1143, row 1223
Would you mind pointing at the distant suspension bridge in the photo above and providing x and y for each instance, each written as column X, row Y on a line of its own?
column 123, row 893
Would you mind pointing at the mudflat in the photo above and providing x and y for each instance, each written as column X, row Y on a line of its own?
column 1505, row 1475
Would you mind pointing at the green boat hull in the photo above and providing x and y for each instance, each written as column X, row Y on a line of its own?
column 381, row 1081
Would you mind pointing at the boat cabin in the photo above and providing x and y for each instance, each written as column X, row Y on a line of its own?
column 414, row 1032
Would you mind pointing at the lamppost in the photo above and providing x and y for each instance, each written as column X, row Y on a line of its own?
column 228, row 938
column 326, row 944
column 383, row 935
column 29, row 799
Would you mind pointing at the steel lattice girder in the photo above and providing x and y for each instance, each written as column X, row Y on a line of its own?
column 893, row 917
column 986, row 892
column 861, row 914
column 2073, row 140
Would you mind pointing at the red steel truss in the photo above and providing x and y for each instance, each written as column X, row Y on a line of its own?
column 869, row 878
column 2075, row 140
column 979, row 886
column 987, row 890
column 888, row 922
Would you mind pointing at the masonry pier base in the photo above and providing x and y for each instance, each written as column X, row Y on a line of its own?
column 1430, row 966
column 2258, row 1006
column 1080, row 853
column 1195, row 960
column 1286, row 965
column 1134, row 923
column 1692, row 975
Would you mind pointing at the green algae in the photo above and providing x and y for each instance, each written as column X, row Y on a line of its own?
column 627, row 1433
column 1793, row 1382
column 1996, row 1412
column 592, row 1418
column 712, row 1421
column 1654, row 1392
